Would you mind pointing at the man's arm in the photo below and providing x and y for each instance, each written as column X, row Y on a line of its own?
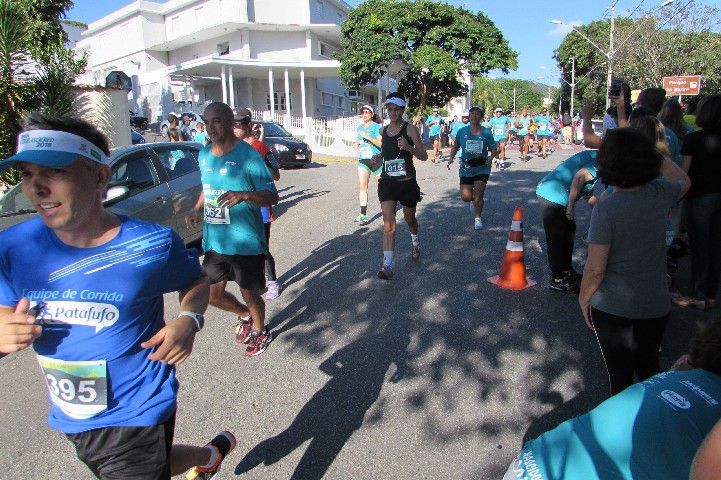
column 707, row 462
column 260, row 198
column 673, row 172
column 580, row 179
column 17, row 329
column 593, row 274
column 590, row 139
column 417, row 148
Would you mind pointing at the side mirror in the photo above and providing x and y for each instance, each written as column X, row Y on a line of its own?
column 116, row 192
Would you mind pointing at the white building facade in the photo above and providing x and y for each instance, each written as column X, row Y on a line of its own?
column 269, row 55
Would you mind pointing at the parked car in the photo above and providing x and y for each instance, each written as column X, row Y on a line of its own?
column 138, row 122
column 290, row 151
column 136, row 137
column 157, row 182
column 597, row 129
column 194, row 119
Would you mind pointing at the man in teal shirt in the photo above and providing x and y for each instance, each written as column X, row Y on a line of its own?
column 434, row 133
column 478, row 148
column 499, row 125
column 236, row 183
column 542, row 121
column 522, row 124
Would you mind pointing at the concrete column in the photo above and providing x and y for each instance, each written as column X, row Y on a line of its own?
column 223, row 82
column 287, row 92
column 308, row 45
column 271, row 92
column 302, row 94
column 380, row 94
column 192, row 91
column 231, row 87
column 245, row 39
column 249, row 92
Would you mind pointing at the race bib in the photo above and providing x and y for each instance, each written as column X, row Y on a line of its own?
column 475, row 148
column 216, row 215
column 395, row 168
column 79, row 389
column 499, row 131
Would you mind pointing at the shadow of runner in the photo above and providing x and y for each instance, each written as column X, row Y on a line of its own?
column 330, row 417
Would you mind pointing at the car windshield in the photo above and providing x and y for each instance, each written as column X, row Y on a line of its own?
column 14, row 202
column 275, row 130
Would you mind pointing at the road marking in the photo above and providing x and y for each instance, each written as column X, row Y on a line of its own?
column 322, row 158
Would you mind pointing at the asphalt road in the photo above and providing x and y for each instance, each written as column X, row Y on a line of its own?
column 437, row 374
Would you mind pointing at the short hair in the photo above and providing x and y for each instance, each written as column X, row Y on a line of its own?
column 652, row 128
column 172, row 118
column 627, row 158
column 173, row 135
column 708, row 113
column 76, row 126
column 223, row 108
column 652, row 98
column 671, row 115
column 705, row 351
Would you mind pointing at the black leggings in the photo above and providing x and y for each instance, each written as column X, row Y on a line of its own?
column 269, row 260
column 560, row 234
column 629, row 346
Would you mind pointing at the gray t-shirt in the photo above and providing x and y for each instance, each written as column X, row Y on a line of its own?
column 633, row 223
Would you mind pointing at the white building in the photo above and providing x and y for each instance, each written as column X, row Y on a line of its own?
column 270, row 55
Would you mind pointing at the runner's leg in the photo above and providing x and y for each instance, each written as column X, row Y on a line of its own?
column 409, row 214
column 185, row 457
column 269, row 260
column 363, row 177
column 479, row 189
column 225, row 300
column 256, row 306
column 389, row 225
column 467, row 193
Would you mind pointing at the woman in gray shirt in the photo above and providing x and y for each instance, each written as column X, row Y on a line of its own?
column 624, row 295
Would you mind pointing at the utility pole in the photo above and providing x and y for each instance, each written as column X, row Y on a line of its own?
column 514, row 100
column 560, row 95
column 573, row 81
column 610, row 55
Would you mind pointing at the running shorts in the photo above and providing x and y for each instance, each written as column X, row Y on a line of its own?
column 405, row 192
column 248, row 271
column 483, row 177
column 127, row 453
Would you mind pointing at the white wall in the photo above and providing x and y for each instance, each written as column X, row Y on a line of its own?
column 284, row 46
column 200, row 14
column 325, row 11
column 153, row 28
column 289, row 12
column 114, row 42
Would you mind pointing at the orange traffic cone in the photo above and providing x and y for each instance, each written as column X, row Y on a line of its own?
column 513, row 268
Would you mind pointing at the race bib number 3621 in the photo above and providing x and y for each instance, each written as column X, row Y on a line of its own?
column 79, row 389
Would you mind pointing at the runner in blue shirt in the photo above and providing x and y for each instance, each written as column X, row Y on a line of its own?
column 368, row 143
column 236, row 183
column 542, row 122
column 651, row 430
column 478, row 149
column 457, row 127
column 499, row 126
column 434, row 133
column 96, row 282
column 523, row 123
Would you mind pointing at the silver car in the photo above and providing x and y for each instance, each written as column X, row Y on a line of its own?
column 157, row 182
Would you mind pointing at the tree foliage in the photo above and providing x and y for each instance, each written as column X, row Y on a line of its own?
column 666, row 42
column 492, row 93
column 431, row 44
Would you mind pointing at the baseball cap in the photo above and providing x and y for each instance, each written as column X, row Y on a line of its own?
column 499, row 109
column 54, row 148
column 476, row 107
column 369, row 108
column 435, row 109
column 398, row 101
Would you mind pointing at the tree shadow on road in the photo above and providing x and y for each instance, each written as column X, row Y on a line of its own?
column 478, row 364
column 293, row 198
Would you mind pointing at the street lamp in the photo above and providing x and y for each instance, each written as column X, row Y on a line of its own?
column 609, row 54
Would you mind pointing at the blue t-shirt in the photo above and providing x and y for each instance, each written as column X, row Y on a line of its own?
column 674, row 146
column 651, row 430
column 542, row 121
column 200, row 137
column 474, row 146
column 524, row 123
column 237, row 230
column 499, row 127
column 434, row 122
column 102, row 303
column 556, row 186
column 456, row 127
column 367, row 148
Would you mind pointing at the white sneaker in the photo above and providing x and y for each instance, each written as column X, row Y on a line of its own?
column 272, row 291
column 478, row 224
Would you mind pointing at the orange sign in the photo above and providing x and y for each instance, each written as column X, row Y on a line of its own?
column 683, row 85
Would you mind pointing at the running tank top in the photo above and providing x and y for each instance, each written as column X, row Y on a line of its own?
column 397, row 163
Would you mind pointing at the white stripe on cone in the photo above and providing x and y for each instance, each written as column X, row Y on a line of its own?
column 517, row 225
column 514, row 246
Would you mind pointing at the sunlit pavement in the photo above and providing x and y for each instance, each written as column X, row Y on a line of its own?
column 436, row 374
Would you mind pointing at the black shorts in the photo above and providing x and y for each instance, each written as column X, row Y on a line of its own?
column 248, row 271
column 132, row 453
column 483, row 177
column 405, row 192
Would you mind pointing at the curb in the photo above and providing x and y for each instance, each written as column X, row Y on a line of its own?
column 324, row 159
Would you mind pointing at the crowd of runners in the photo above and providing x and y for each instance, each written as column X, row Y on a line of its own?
column 653, row 179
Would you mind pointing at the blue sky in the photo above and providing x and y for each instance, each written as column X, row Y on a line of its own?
column 525, row 23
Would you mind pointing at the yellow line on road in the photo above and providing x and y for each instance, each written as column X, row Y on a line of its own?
column 321, row 158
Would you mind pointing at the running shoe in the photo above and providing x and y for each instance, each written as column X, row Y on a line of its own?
column 416, row 252
column 242, row 330
column 478, row 224
column 361, row 218
column 385, row 273
column 258, row 342
column 562, row 285
column 222, row 445
column 271, row 290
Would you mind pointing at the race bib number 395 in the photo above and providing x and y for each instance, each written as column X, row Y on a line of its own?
column 79, row 389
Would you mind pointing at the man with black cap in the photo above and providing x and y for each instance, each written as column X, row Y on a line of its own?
column 85, row 288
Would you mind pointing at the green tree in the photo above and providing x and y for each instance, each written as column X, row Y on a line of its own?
column 433, row 43
column 492, row 93
column 665, row 42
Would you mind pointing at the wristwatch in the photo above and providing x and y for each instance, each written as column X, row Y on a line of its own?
column 197, row 318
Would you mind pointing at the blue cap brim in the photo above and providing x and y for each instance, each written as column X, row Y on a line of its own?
column 46, row 158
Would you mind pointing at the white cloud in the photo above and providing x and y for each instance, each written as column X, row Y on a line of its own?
column 542, row 67
column 565, row 28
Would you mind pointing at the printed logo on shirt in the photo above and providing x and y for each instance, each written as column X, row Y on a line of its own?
column 699, row 391
column 223, row 171
column 675, row 400
column 89, row 314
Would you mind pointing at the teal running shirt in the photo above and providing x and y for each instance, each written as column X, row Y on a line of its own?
column 474, row 146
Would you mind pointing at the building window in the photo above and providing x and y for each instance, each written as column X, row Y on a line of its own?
column 319, row 7
column 339, row 102
column 224, row 48
column 278, row 100
column 325, row 50
column 326, row 99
